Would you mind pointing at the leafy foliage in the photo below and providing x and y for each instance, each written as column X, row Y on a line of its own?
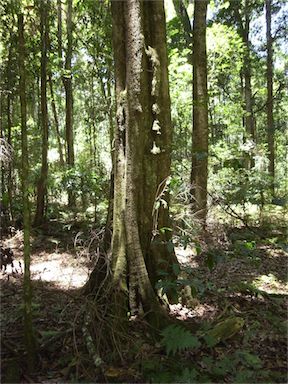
column 176, row 338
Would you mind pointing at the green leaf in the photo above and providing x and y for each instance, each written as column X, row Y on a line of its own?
column 244, row 376
column 187, row 376
column 177, row 338
column 48, row 334
column 198, row 248
column 250, row 360
column 165, row 229
column 210, row 341
column 210, row 261
column 170, row 246
column 176, row 269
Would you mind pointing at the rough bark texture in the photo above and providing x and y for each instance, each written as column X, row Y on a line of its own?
column 142, row 156
column 28, row 327
column 269, row 111
column 42, row 182
column 67, row 80
column 118, row 237
column 199, row 171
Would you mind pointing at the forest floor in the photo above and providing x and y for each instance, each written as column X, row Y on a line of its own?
column 241, row 273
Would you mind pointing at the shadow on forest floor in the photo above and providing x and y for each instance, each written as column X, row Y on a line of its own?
column 245, row 277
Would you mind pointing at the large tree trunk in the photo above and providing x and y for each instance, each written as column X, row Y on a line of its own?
column 142, row 157
column 67, row 80
column 199, row 171
column 28, row 327
column 269, row 76
column 42, row 182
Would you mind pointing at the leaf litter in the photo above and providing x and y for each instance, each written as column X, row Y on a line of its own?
column 250, row 285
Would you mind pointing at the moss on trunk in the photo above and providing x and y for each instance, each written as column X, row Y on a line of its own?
column 142, row 160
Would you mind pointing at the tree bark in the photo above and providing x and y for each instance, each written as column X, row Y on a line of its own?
column 3, row 189
column 67, row 80
column 28, row 326
column 56, row 122
column 142, row 157
column 59, row 33
column 9, row 127
column 249, row 119
column 42, row 182
column 269, row 105
column 199, row 172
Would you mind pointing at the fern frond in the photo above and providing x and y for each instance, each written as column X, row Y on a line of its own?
column 177, row 339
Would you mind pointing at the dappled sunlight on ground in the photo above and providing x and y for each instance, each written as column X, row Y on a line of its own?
column 270, row 284
column 186, row 256
column 247, row 280
column 61, row 270
column 199, row 312
column 65, row 270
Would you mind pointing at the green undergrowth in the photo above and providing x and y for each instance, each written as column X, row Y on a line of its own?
column 246, row 278
column 239, row 366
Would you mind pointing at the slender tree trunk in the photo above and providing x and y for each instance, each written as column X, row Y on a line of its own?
column 140, row 244
column 269, row 111
column 109, row 111
column 3, row 189
column 59, row 33
column 248, row 99
column 91, row 112
column 110, row 117
column 42, row 182
column 199, row 173
column 9, row 129
column 28, row 326
column 67, row 79
column 9, row 140
column 56, row 122
column 60, row 54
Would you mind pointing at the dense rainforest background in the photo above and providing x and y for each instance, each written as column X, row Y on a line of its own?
column 143, row 191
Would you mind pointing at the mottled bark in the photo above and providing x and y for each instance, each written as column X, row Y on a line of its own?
column 199, row 172
column 142, row 156
column 42, row 182
column 118, row 244
column 28, row 327
column 269, row 105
